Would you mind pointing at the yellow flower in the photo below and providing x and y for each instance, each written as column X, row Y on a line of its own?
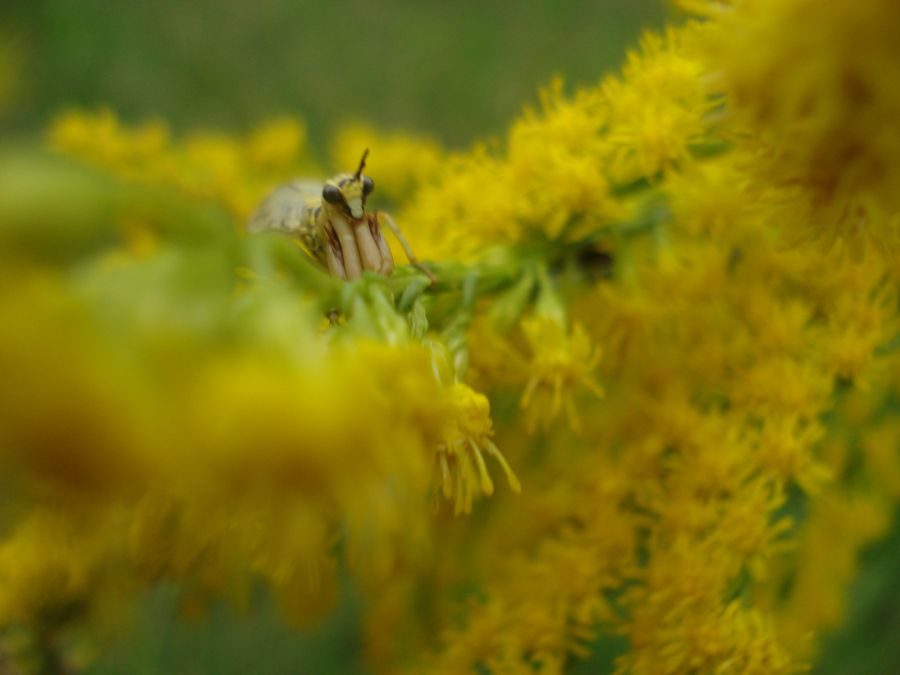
column 682, row 624
column 205, row 165
column 555, row 366
column 449, row 219
column 657, row 109
column 557, row 186
column 137, row 154
column 786, row 451
column 816, row 110
column 783, row 386
column 180, row 410
column 466, row 436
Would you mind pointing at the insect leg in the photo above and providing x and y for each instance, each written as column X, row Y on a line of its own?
column 387, row 258
column 333, row 254
column 369, row 251
column 406, row 247
column 350, row 253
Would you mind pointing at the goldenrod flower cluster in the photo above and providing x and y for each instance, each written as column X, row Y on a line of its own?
column 205, row 165
column 651, row 398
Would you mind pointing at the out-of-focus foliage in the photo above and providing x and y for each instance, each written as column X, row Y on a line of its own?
column 647, row 414
column 10, row 72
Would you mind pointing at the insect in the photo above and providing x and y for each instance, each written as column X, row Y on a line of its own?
column 332, row 224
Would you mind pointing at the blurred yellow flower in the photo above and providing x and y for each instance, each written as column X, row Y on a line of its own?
column 192, row 405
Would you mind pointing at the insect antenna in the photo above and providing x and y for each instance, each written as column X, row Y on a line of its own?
column 362, row 165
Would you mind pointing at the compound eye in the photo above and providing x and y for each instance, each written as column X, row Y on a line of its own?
column 368, row 185
column 332, row 194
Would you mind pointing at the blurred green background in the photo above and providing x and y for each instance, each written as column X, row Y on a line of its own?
column 457, row 70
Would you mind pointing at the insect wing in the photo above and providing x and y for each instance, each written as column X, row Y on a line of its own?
column 287, row 208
